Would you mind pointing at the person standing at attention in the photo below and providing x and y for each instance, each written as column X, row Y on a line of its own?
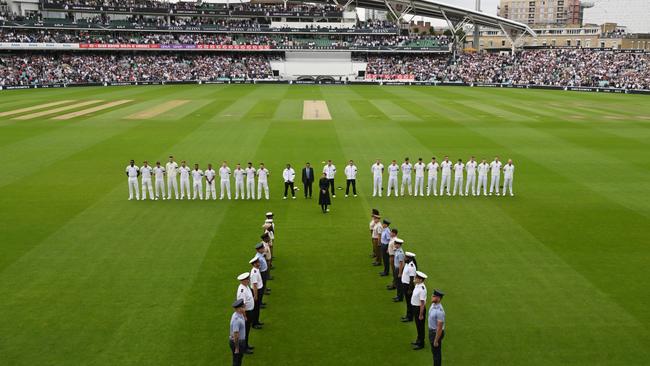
column 436, row 326
column 330, row 172
column 351, row 176
column 324, row 196
column 307, row 179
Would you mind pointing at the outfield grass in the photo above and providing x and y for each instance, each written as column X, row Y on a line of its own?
column 554, row 276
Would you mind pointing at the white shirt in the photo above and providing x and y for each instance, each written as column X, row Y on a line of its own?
column 289, row 174
column 508, row 170
column 159, row 172
column 262, row 173
column 483, row 169
column 210, row 174
column 185, row 172
column 133, row 171
column 250, row 173
column 224, row 173
column 407, row 168
column 256, row 278
column 446, row 167
column 458, row 169
column 351, row 172
column 496, row 167
column 433, row 169
column 245, row 293
column 408, row 272
column 377, row 170
column 419, row 294
column 172, row 169
column 239, row 174
column 146, row 170
column 471, row 168
column 197, row 175
column 393, row 169
column 330, row 171
column 419, row 169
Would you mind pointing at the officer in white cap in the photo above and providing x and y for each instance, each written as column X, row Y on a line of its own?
column 257, row 286
column 244, row 293
column 419, row 308
column 238, row 332
column 406, row 276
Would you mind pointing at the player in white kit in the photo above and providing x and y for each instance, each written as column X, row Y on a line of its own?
column 377, row 170
column 495, row 169
column 459, row 169
column 239, row 174
column 250, row 181
column 445, row 180
column 145, row 171
column 407, row 168
column 184, row 171
column 159, row 173
column 197, row 182
column 471, row 176
column 132, row 173
column 483, row 170
column 172, row 169
column 393, row 171
column 432, row 183
column 419, row 177
column 210, row 186
column 224, row 174
column 508, row 173
column 262, row 182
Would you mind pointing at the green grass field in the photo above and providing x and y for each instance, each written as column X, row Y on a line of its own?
column 557, row 275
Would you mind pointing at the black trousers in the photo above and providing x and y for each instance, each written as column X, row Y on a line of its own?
column 437, row 351
column 265, row 277
column 237, row 358
column 258, row 306
column 288, row 185
column 248, row 323
column 308, row 188
column 331, row 182
column 407, row 291
column 386, row 258
column 419, row 324
column 399, row 286
column 352, row 182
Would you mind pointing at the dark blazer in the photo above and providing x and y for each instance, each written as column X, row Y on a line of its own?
column 311, row 175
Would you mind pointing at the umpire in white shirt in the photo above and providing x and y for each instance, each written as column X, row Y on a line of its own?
column 330, row 172
column 289, row 175
column 351, row 176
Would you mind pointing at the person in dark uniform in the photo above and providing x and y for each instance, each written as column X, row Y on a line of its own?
column 308, row 179
column 237, row 339
column 408, row 274
column 436, row 326
column 324, row 195
column 419, row 308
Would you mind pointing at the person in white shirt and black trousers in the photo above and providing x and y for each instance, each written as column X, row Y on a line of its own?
column 289, row 176
column 351, row 176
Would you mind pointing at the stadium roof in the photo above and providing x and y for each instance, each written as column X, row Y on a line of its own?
column 452, row 14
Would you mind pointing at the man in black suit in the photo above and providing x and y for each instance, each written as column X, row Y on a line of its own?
column 307, row 179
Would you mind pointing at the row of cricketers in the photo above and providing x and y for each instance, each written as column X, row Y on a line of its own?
column 477, row 177
column 250, row 294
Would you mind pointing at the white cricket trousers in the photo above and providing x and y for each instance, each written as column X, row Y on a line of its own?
column 494, row 184
column 419, row 186
column 133, row 187
column 376, row 186
column 444, row 184
column 210, row 190
column 147, row 186
column 471, row 183
column 250, row 189
column 197, row 186
column 392, row 184
column 482, row 182
column 185, row 188
column 432, row 184
column 406, row 180
column 262, row 185
column 458, row 185
column 225, row 187
column 172, row 182
column 507, row 183
column 239, row 189
column 160, row 188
